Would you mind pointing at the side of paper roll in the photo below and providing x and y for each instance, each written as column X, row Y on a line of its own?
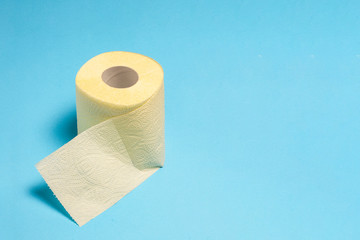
column 121, row 137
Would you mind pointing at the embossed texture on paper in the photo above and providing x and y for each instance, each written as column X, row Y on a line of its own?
column 120, row 142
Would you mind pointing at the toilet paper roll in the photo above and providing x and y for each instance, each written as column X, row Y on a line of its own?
column 120, row 113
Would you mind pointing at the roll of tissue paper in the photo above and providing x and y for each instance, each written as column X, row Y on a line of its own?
column 120, row 114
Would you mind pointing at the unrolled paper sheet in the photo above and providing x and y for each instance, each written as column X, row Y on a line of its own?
column 120, row 111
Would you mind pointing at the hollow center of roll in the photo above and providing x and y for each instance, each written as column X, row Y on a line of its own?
column 120, row 77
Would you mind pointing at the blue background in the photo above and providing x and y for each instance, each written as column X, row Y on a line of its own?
column 262, row 116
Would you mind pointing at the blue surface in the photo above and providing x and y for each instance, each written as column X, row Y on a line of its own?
column 262, row 116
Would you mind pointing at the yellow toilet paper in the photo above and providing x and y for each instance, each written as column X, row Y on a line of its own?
column 120, row 112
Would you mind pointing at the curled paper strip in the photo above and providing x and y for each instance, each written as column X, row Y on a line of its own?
column 120, row 112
